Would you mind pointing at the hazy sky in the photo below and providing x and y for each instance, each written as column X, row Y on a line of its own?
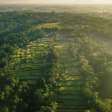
column 59, row 1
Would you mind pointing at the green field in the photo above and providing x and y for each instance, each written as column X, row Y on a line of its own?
column 30, row 60
column 70, row 82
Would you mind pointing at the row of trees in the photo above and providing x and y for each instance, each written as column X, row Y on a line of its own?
column 87, row 53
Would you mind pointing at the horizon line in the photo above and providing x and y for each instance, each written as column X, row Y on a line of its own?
column 35, row 3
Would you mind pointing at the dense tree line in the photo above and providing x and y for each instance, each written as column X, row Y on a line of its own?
column 88, row 55
column 17, row 31
column 17, row 95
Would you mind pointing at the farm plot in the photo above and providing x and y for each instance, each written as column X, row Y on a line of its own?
column 30, row 60
column 68, row 94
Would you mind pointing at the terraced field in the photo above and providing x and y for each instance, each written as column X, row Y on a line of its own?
column 30, row 60
column 68, row 94
column 29, row 64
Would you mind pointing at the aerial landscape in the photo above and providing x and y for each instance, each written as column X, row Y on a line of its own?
column 56, row 56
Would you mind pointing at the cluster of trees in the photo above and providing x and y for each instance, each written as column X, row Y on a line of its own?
column 18, row 29
column 96, row 74
column 53, row 69
column 19, row 96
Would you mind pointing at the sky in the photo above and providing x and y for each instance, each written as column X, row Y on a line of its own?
column 59, row 1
